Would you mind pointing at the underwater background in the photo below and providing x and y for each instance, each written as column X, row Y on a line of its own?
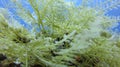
column 114, row 12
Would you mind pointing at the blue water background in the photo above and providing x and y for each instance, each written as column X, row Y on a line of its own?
column 7, row 3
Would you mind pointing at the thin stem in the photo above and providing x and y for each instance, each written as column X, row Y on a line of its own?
column 26, row 58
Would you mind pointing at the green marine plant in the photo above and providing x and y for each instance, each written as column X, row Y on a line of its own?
column 61, row 35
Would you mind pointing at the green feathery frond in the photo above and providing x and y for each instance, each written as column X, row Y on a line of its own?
column 70, row 36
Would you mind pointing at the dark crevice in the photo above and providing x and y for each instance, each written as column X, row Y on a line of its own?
column 2, row 57
column 21, row 40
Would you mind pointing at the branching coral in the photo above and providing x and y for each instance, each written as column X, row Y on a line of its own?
column 70, row 37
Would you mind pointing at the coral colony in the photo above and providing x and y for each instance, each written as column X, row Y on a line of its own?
column 58, row 34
